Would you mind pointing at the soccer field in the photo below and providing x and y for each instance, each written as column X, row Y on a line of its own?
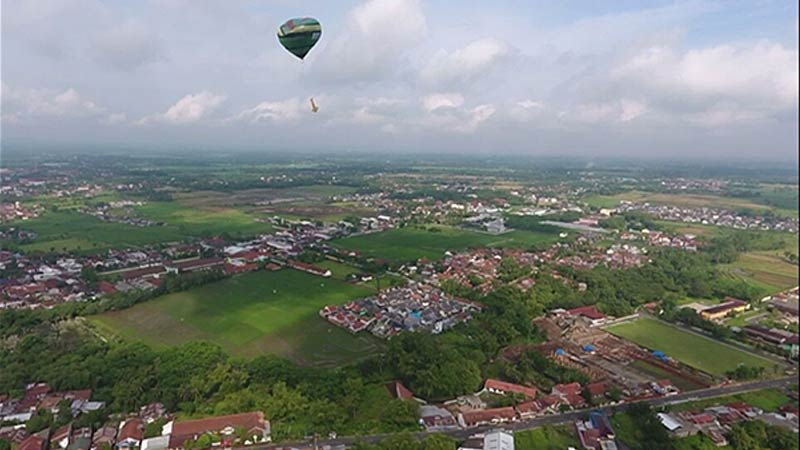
column 692, row 349
column 412, row 243
column 248, row 315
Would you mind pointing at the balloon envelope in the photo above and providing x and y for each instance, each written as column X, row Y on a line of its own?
column 299, row 35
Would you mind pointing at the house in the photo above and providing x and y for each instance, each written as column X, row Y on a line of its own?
column 435, row 418
column 254, row 424
column 61, row 437
column 590, row 313
column 198, row 264
column 729, row 306
column 104, row 436
column 309, row 268
column 32, row 442
column 502, row 388
column 597, row 432
column 567, row 389
column 398, row 390
column 131, row 432
column 487, row 416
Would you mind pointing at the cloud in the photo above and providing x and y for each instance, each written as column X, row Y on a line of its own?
column 447, row 100
column 27, row 102
column 374, row 41
column 193, row 107
column 126, row 47
column 289, row 109
column 466, row 63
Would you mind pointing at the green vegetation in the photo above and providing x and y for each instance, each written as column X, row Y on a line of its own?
column 60, row 231
column 250, row 314
column 692, row 349
column 658, row 373
column 546, row 438
column 412, row 243
column 640, row 429
column 765, row 399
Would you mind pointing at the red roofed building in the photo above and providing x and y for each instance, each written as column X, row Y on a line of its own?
column 502, row 388
column 309, row 268
column 590, row 312
column 489, row 416
column 398, row 390
column 597, row 389
column 32, row 442
column 105, row 287
column 143, row 272
column 198, row 264
column 131, row 432
column 567, row 389
column 256, row 426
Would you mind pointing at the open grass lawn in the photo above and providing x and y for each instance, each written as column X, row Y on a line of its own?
column 412, row 243
column 250, row 314
column 765, row 399
column 190, row 221
column 698, row 442
column 338, row 270
column 692, row 349
column 685, row 200
column 547, row 438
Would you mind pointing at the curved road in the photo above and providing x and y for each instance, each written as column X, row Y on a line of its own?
column 553, row 419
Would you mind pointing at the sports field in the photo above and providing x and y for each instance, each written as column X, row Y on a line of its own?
column 412, row 243
column 692, row 349
column 250, row 314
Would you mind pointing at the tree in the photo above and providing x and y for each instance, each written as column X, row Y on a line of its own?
column 40, row 420
column 438, row 442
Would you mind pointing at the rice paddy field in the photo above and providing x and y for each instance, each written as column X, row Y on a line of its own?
column 412, row 243
column 249, row 315
column 692, row 349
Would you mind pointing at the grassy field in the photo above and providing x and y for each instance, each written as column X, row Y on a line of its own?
column 766, row 270
column 685, row 200
column 546, row 438
column 72, row 230
column 765, row 399
column 250, row 314
column 694, row 350
column 698, row 442
column 408, row 244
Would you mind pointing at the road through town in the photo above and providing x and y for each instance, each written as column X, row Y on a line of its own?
column 553, row 419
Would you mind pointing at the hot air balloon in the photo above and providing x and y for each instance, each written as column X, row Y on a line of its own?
column 299, row 35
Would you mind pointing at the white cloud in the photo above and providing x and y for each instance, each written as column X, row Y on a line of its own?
column 115, row 118
column 289, row 109
column 442, row 100
column 21, row 102
column 377, row 34
column 631, row 109
column 192, row 107
column 476, row 116
column 465, row 63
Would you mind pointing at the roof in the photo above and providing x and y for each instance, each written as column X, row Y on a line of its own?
column 187, row 429
column 570, row 388
column 131, row 429
column 142, row 272
column 32, row 442
column 598, row 388
column 728, row 305
column 669, row 422
column 398, row 390
column 590, row 312
column 488, row 415
column 505, row 386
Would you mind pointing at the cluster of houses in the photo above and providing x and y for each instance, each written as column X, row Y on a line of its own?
column 121, row 212
column 713, row 216
column 715, row 421
column 688, row 242
column 122, row 432
column 413, row 307
column 42, row 282
column 12, row 211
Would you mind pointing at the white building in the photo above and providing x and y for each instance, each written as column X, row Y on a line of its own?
column 498, row 440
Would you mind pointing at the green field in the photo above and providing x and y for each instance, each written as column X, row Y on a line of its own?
column 685, row 200
column 765, row 399
column 658, row 373
column 692, row 349
column 409, row 244
column 250, row 314
column 72, row 230
column 546, row 438
column 766, row 270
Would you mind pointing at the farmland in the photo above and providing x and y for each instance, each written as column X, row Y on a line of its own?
column 692, row 349
column 408, row 244
column 251, row 314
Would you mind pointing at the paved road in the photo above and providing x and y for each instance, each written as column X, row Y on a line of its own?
column 554, row 419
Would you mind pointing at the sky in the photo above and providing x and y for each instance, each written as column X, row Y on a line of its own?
column 661, row 79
